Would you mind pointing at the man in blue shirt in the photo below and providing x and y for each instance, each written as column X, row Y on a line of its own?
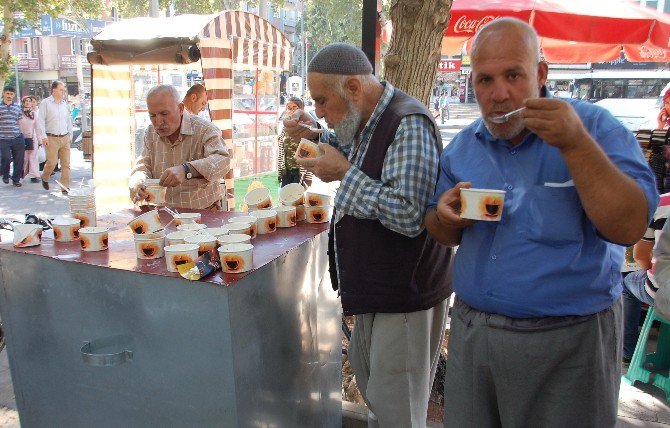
column 536, row 329
column 12, row 144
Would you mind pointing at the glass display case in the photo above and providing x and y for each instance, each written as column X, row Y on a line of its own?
column 255, row 106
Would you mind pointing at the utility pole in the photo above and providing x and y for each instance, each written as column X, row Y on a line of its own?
column 16, row 77
column 153, row 8
column 303, row 60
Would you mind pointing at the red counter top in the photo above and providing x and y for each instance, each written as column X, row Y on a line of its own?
column 121, row 252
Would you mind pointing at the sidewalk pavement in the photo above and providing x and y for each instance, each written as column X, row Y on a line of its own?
column 15, row 202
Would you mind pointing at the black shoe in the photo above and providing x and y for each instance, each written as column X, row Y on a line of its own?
column 53, row 173
column 34, row 180
column 64, row 192
column 17, row 184
column 5, row 180
column 626, row 360
column 45, row 184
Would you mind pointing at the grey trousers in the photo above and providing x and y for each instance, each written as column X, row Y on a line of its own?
column 541, row 372
column 394, row 358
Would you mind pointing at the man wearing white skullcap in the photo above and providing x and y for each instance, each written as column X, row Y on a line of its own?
column 385, row 152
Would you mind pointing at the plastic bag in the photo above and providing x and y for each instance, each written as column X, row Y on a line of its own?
column 41, row 154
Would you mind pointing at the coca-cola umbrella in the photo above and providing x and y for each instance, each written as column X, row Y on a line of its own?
column 571, row 31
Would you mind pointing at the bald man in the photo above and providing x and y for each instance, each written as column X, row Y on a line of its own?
column 384, row 151
column 536, row 329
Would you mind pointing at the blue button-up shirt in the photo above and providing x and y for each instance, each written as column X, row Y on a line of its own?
column 544, row 257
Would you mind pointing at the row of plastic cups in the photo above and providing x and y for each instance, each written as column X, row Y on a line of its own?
column 65, row 229
column 294, row 194
column 235, row 257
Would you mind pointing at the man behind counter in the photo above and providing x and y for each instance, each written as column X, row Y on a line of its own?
column 185, row 152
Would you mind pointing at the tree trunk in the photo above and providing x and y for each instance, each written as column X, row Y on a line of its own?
column 6, row 42
column 414, row 52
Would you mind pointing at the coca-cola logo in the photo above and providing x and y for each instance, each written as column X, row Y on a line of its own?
column 471, row 26
column 648, row 53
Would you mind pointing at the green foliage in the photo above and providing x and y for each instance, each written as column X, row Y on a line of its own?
column 135, row 8
column 31, row 11
column 330, row 21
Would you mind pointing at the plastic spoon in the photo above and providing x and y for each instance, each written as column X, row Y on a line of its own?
column 505, row 117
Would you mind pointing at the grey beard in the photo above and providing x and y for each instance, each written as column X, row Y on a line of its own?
column 507, row 134
column 348, row 127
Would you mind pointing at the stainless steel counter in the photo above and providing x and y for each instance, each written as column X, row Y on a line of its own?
column 106, row 340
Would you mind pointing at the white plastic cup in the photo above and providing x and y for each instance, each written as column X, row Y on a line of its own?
column 258, row 199
column 233, row 238
column 94, row 238
column 185, row 218
column 176, row 255
column 292, row 194
column 236, row 258
column 150, row 245
column 267, row 220
column 318, row 214
column 286, row 216
column 314, row 199
column 482, row 204
column 195, row 227
column 148, row 222
column 27, row 235
column 204, row 243
column 176, row 238
column 65, row 229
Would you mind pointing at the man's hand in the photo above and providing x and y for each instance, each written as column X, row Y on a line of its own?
column 137, row 192
column 173, row 177
column 296, row 126
column 555, row 121
column 331, row 166
column 45, row 141
column 448, row 209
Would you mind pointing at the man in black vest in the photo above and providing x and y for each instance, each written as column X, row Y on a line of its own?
column 390, row 273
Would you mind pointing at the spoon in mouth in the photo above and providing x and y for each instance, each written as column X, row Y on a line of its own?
column 505, row 117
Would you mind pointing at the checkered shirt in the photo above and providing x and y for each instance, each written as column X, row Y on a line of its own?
column 200, row 145
column 398, row 200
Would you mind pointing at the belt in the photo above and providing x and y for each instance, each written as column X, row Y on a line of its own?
column 55, row 135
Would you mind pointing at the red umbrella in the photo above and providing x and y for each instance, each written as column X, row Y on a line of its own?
column 571, row 31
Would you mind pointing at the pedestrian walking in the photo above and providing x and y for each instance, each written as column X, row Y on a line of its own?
column 56, row 125
column 30, row 128
column 12, row 145
column 444, row 107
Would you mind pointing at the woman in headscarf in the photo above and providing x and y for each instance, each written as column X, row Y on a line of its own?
column 30, row 128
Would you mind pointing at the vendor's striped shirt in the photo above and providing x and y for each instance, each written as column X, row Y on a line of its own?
column 9, row 120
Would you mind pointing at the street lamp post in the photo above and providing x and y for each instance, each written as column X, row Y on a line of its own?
column 16, row 78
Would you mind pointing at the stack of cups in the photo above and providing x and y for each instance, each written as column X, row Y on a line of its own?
column 318, row 207
column 82, row 206
column 155, row 192
column 149, row 235
column 293, row 195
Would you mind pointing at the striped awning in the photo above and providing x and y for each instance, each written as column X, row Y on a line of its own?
column 220, row 41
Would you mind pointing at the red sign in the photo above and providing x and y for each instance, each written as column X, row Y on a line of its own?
column 446, row 65
column 28, row 64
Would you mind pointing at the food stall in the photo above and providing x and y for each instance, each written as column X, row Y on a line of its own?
column 105, row 339
column 237, row 55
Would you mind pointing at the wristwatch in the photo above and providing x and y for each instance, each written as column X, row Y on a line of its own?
column 189, row 174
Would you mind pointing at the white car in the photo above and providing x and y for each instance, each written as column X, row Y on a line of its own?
column 635, row 113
